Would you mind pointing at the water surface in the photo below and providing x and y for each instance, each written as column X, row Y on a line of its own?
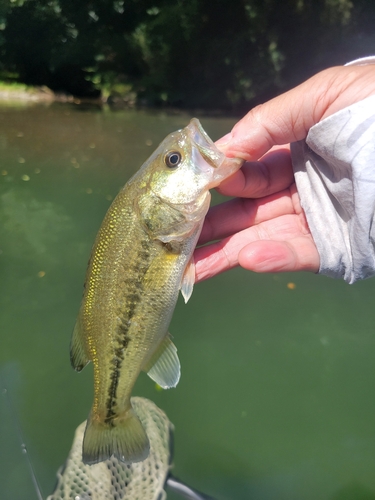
column 276, row 399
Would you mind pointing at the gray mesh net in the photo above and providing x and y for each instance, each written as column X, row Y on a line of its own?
column 114, row 480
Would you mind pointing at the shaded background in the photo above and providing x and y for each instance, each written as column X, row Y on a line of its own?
column 221, row 54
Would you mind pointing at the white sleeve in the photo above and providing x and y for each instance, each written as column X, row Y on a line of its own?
column 334, row 170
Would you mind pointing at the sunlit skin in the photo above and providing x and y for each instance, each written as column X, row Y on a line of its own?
column 264, row 228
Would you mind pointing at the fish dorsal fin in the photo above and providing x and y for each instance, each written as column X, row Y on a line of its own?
column 188, row 280
column 78, row 355
column 164, row 365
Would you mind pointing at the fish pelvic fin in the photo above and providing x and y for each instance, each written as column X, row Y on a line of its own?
column 78, row 355
column 188, row 280
column 164, row 366
column 124, row 437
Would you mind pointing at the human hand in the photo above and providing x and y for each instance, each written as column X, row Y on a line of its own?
column 264, row 229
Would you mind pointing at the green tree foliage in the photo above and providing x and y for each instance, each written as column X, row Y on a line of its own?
column 226, row 54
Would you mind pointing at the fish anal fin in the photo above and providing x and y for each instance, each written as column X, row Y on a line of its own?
column 188, row 280
column 78, row 355
column 124, row 437
column 164, row 365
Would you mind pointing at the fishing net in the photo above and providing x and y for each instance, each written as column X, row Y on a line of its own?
column 114, row 480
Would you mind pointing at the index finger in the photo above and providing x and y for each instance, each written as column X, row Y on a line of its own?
column 288, row 117
column 269, row 175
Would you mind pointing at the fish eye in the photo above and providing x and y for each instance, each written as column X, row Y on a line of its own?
column 172, row 159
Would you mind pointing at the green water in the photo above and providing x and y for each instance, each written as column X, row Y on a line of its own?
column 277, row 395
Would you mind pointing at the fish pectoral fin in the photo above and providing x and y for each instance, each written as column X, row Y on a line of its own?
column 164, row 366
column 78, row 355
column 188, row 280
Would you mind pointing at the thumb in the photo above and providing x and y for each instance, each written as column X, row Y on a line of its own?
column 288, row 117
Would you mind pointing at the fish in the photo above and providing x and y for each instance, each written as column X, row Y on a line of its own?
column 140, row 260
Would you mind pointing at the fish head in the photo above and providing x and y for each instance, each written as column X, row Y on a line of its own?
column 186, row 165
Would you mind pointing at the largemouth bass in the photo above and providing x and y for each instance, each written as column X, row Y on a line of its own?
column 141, row 258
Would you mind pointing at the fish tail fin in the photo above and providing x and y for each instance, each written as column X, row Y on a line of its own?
column 124, row 437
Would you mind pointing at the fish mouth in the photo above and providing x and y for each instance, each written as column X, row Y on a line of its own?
column 223, row 166
column 205, row 145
